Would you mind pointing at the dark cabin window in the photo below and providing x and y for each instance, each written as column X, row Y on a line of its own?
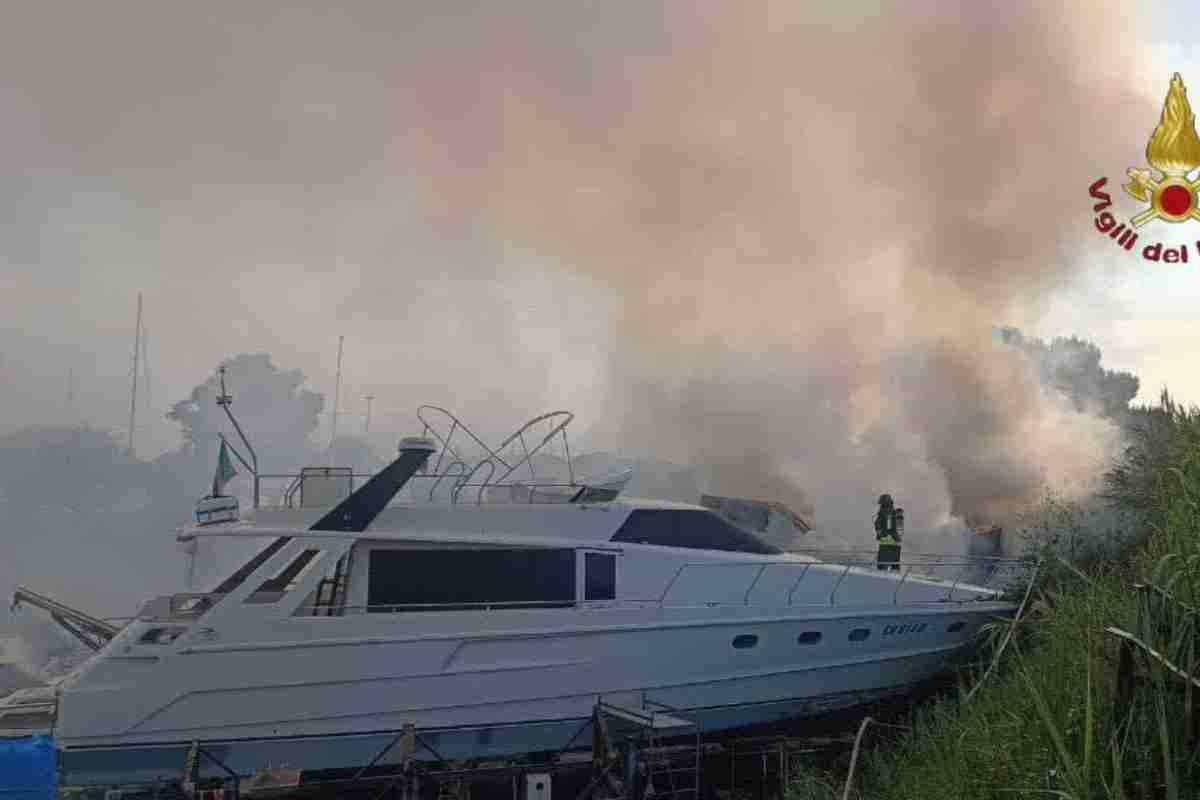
column 809, row 637
column 647, row 527
column 745, row 641
column 600, row 576
column 695, row 530
column 956, row 627
column 859, row 634
column 444, row 580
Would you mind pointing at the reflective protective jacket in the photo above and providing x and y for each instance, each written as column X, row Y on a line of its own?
column 887, row 531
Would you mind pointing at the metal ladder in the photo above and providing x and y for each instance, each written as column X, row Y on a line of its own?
column 672, row 772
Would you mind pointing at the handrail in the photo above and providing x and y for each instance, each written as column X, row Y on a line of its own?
column 832, row 594
column 429, row 475
column 963, row 564
column 299, row 474
column 528, row 491
column 869, row 555
column 446, row 474
column 796, row 585
column 311, row 610
column 483, row 484
column 955, row 586
column 445, row 442
column 754, row 583
column 297, row 480
column 671, row 582
column 532, row 489
column 466, row 479
column 496, row 454
column 896, row 593
column 291, row 490
column 519, row 434
column 188, row 606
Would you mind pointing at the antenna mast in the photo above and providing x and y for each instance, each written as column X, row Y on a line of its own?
column 224, row 400
column 367, row 425
column 337, row 391
column 137, row 348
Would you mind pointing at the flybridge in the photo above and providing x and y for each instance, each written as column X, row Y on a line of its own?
column 466, row 468
column 531, row 465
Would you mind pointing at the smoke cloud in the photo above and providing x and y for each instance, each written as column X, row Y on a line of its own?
column 808, row 221
column 770, row 240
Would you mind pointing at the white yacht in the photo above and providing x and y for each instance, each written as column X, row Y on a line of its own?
column 489, row 627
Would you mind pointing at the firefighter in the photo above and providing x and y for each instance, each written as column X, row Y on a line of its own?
column 889, row 528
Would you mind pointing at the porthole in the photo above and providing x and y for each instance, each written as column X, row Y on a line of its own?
column 858, row 634
column 956, row 627
column 809, row 637
column 745, row 641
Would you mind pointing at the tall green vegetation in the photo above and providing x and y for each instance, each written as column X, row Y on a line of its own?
column 1075, row 709
column 1162, row 440
column 273, row 405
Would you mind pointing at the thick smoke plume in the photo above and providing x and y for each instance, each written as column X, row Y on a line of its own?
column 808, row 219
column 797, row 223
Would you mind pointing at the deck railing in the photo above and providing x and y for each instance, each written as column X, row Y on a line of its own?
column 281, row 490
column 997, row 576
column 935, row 589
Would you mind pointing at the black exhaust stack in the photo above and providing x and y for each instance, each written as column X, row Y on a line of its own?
column 354, row 513
column 359, row 510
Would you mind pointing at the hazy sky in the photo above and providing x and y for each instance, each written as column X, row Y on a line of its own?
column 1145, row 317
column 273, row 178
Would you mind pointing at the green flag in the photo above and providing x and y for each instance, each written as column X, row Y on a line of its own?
column 225, row 470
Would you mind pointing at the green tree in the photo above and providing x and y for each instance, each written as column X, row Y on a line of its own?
column 278, row 414
column 1072, row 366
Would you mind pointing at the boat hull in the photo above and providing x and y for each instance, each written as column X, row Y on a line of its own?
column 550, row 724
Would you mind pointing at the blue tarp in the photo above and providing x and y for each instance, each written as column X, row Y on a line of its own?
column 27, row 768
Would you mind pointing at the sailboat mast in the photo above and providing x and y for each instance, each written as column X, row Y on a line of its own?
column 137, row 349
column 337, row 392
column 147, row 400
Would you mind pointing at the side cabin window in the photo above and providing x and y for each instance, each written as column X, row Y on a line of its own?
column 455, row 580
column 695, row 530
column 599, row 576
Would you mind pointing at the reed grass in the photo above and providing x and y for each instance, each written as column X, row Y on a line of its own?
column 1045, row 721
